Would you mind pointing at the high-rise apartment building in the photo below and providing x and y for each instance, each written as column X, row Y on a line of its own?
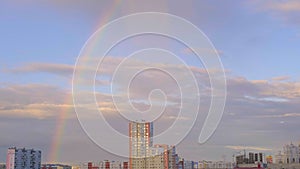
column 140, row 143
column 145, row 155
column 21, row 158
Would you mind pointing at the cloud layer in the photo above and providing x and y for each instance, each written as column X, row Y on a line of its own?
column 255, row 109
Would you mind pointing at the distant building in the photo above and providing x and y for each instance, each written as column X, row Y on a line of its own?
column 91, row 166
column 279, row 158
column 189, row 164
column 214, row 165
column 105, row 164
column 145, row 155
column 116, row 165
column 2, row 166
column 125, row 165
column 21, row 158
column 290, row 155
column 269, row 159
column 56, row 166
column 173, row 156
column 76, row 167
column 251, row 158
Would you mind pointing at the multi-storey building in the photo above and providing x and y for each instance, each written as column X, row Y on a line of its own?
column 291, row 154
column 140, row 144
column 143, row 155
column 125, row 165
column 251, row 158
column 173, row 156
column 21, row 158
column 105, row 164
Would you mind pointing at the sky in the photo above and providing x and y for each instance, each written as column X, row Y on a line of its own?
column 257, row 41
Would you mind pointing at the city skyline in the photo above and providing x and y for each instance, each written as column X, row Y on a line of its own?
column 258, row 44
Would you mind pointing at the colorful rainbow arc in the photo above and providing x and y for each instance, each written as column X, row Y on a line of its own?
column 55, row 147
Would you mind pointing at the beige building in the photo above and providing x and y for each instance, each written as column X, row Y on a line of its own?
column 140, row 144
column 214, row 165
column 145, row 155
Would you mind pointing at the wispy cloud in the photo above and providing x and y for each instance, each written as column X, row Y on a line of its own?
column 287, row 11
column 39, row 111
column 249, row 148
column 280, row 115
column 281, row 78
column 285, row 6
column 269, row 99
column 204, row 51
column 33, row 101
column 58, row 69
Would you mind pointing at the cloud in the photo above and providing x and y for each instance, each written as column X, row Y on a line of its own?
column 269, row 99
column 287, row 11
column 203, row 51
column 248, row 148
column 281, row 78
column 34, row 101
column 31, row 93
column 240, row 90
column 281, row 115
column 108, row 65
column 58, row 69
column 285, row 6
column 264, row 89
column 254, row 110
column 39, row 111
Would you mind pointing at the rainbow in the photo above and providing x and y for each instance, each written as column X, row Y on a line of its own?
column 59, row 130
column 55, row 147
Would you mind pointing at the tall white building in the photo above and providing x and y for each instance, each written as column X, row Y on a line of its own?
column 21, row 158
column 290, row 154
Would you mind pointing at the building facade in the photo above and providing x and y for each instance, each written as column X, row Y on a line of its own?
column 21, row 158
column 290, row 155
column 251, row 158
column 140, row 144
column 105, row 164
column 145, row 155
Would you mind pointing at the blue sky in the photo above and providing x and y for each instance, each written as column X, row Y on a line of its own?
column 246, row 35
column 258, row 42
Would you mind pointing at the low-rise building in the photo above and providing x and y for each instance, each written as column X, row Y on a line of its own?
column 2, row 166
column 55, row 166
column 215, row 165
